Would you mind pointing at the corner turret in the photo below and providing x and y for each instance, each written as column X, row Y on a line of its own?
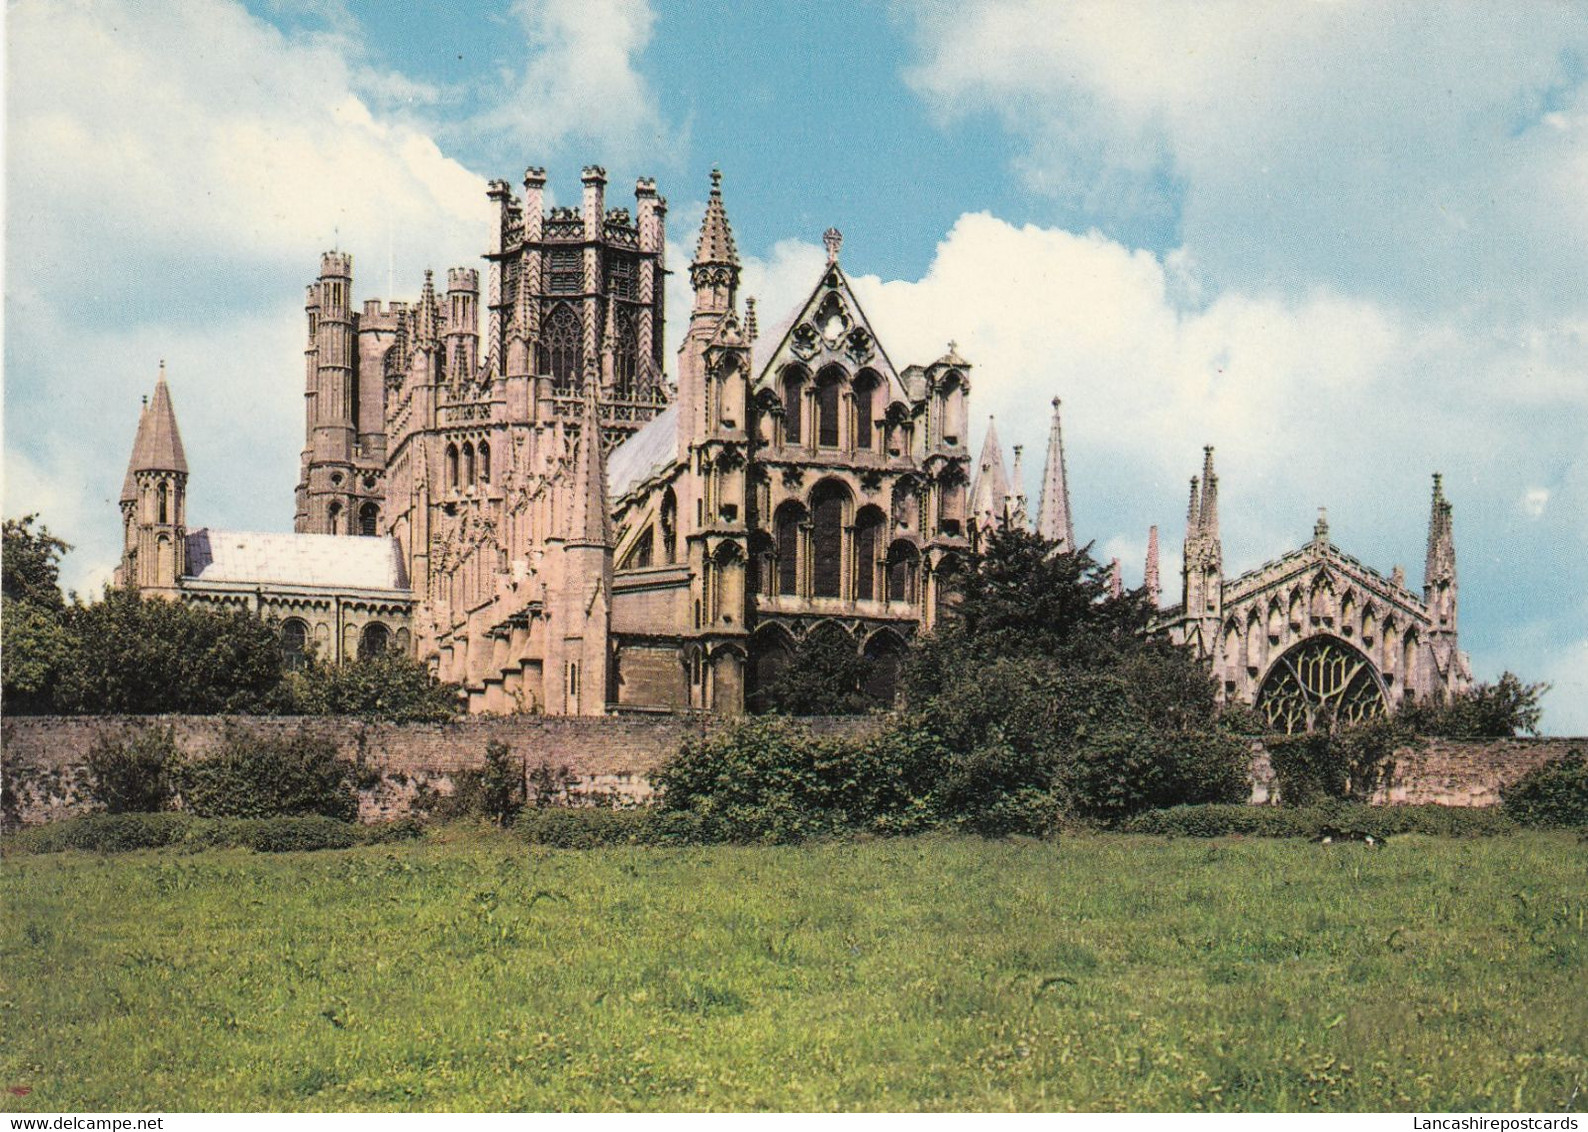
column 154, row 500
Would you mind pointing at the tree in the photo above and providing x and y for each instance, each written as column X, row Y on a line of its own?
column 131, row 774
column 1484, row 711
column 142, row 656
column 390, row 685
column 30, row 563
column 825, row 676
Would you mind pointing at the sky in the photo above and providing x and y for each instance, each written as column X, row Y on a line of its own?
column 1344, row 243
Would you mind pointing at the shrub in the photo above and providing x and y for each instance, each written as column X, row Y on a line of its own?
column 106, row 833
column 1484, row 711
column 391, row 832
column 1555, row 794
column 295, row 835
column 132, row 773
column 549, row 785
column 1350, row 762
column 390, row 685
column 1118, row 773
column 585, row 827
column 1315, row 821
column 255, row 776
column 120, row 833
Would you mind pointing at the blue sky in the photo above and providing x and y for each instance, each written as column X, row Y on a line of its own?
column 1345, row 243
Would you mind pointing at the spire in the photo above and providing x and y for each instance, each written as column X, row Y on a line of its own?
column 1193, row 512
column 589, row 523
column 716, row 236
column 158, row 447
column 989, row 490
column 1208, row 520
column 428, row 317
column 1116, row 580
column 1440, row 565
column 1150, row 572
column 129, row 486
column 1053, row 510
column 1017, row 487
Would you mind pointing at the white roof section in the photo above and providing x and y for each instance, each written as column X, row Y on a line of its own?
column 643, row 455
column 346, row 562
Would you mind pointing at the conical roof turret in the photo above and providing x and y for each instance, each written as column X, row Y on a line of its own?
column 989, row 490
column 715, row 245
column 158, row 446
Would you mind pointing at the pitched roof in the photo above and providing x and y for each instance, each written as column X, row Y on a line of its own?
column 647, row 452
column 989, row 490
column 158, row 447
column 330, row 561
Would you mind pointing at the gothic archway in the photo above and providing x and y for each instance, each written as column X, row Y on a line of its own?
column 1323, row 679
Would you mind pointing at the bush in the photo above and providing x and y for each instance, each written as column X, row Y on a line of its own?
column 1350, row 762
column 295, row 835
column 585, row 827
column 1119, row 773
column 1500, row 710
column 770, row 779
column 120, row 833
column 132, row 773
column 254, row 776
column 391, row 832
column 1555, row 794
column 1314, row 822
column 391, row 685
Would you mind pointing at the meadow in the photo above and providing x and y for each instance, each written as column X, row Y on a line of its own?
column 470, row 971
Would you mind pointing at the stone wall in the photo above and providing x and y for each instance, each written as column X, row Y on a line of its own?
column 1443, row 772
column 45, row 756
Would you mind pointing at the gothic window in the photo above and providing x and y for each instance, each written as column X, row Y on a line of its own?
column 903, row 563
column 793, row 398
column 621, row 277
column 468, row 465
column 829, row 390
column 669, row 526
column 905, row 509
column 163, row 501
column 566, row 274
column 1320, row 682
column 452, row 467
column 644, row 549
column 865, row 409
column 885, row 654
column 294, row 644
column 946, row 579
column 790, row 516
column 762, row 555
column 484, row 455
column 333, row 518
column 950, row 504
column 827, row 540
column 369, row 520
column 770, row 653
column 164, row 562
column 561, row 354
column 625, row 354
column 953, row 388
column 373, row 640
column 868, row 548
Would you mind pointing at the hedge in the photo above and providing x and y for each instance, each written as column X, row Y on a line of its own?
column 1315, row 822
column 119, row 833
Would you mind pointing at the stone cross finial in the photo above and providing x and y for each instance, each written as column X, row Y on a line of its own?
column 833, row 239
column 1320, row 529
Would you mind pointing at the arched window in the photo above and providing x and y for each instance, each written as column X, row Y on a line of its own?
column 865, row 409
column 485, row 462
column 793, row 401
column 468, row 465
column 868, row 550
column 669, row 527
column 945, row 589
column 369, row 520
column 644, row 550
column 625, row 357
column 905, row 505
column 789, row 518
column 164, row 504
column 903, row 560
column 333, row 518
column 373, row 640
column 827, row 539
column 452, row 467
column 164, row 561
column 829, row 390
column 294, row 644
column 885, row 657
column 762, row 555
column 771, row 650
column 1320, row 682
column 561, row 353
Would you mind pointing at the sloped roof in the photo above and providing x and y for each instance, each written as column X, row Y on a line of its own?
column 158, row 446
column 643, row 455
column 715, row 244
column 330, row 561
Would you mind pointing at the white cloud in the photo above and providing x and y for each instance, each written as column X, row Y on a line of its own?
column 581, row 79
column 1427, row 153
column 1534, row 500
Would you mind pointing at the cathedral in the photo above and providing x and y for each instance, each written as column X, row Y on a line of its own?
column 519, row 497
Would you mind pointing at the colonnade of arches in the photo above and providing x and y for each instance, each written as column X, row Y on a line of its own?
column 836, row 410
column 468, row 465
column 299, row 640
column 773, row 648
column 367, row 519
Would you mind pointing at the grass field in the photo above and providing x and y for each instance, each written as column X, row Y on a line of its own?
column 1102, row 972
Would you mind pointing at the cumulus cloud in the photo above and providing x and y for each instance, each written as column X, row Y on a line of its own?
column 1431, row 153
column 1534, row 500
column 581, row 79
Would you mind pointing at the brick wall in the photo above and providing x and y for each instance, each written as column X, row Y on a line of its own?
column 44, row 757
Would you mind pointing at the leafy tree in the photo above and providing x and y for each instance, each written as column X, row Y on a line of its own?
column 35, row 647
column 390, row 685
column 1555, row 794
column 825, row 676
column 1484, row 711
column 139, row 656
column 30, row 563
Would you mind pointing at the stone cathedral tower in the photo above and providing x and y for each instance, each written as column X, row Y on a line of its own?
column 154, row 501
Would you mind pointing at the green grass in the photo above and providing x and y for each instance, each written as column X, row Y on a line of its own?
column 1103, row 972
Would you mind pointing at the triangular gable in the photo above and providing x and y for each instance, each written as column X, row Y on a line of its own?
column 828, row 327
